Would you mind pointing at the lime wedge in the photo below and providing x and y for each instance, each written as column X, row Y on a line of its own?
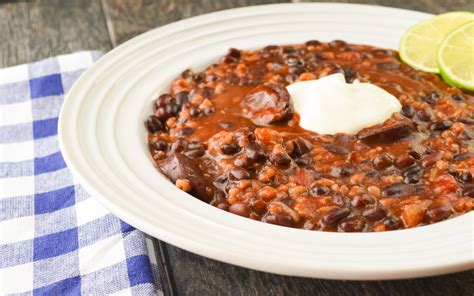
column 456, row 57
column 419, row 45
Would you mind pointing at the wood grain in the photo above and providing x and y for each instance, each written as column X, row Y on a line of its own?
column 35, row 30
column 130, row 18
column 431, row 6
column 196, row 275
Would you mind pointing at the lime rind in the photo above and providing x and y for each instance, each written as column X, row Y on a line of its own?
column 418, row 47
column 448, row 68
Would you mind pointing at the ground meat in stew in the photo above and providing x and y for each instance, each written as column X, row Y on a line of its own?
column 229, row 136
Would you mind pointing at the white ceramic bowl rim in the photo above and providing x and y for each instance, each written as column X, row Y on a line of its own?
column 104, row 144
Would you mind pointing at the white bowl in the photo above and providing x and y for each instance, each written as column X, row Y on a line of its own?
column 103, row 141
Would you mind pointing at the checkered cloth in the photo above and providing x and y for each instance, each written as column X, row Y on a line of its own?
column 54, row 238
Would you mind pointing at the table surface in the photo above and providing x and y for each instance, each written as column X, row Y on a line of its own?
column 32, row 30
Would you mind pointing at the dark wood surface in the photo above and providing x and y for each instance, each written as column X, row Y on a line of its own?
column 32, row 30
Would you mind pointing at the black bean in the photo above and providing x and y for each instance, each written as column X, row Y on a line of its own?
column 353, row 224
column 230, row 149
column 391, row 222
column 303, row 161
column 462, row 156
column 398, row 190
column 372, row 174
column 441, row 125
column 337, row 149
column 332, row 218
column 181, row 98
column 206, row 92
column 279, row 219
column 439, row 213
column 271, row 48
column 254, row 152
column 162, row 101
column 301, row 147
column 337, row 43
column 185, row 131
column 223, row 205
column 343, row 171
column 162, row 114
column 194, row 153
column 313, row 42
column 387, row 66
column 408, row 111
column 194, row 145
column 235, row 53
column 198, row 78
column 240, row 209
column 288, row 49
column 363, row 200
column 172, row 109
column 293, row 61
column 458, row 97
column 423, row 115
column 464, row 177
column 179, row 145
column 349, row 74
column 469, row 191
column 433, row 96
column 291, row 78
column 427, row 99
column 280, row 159
column 374, row 213
column 383, row 53
column 221, row 181
column 153, row 124
column 296, row 70
column 194, row 111
column 319, row 190
column 187, row 73
column 383, row 160
column 160, row 145
column 317, row 58
column 238, row 173
column 340, row 199
column 242, row 161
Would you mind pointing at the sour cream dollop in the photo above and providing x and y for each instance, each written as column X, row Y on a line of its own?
column 330, row 105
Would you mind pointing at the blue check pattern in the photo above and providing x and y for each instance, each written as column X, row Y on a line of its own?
column 54, row 238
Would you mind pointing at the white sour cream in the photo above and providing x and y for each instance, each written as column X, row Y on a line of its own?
column 330, row 105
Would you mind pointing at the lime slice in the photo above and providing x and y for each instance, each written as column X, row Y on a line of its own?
column 419, row 45
column 456, row 57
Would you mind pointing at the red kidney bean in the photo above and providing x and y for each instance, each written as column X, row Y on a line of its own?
column 185, row 131
column 280, row 159
column 363, row 200
column 301, row 146
column 230, row 149
column 332, row 218
column 353, row 224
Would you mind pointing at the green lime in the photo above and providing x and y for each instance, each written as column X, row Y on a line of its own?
column 456, row 57
column 419, row 45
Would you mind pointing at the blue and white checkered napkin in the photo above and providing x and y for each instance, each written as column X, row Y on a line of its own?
column 54, row 238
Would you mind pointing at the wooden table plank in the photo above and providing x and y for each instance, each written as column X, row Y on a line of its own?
column 35, row 30
column 130, row 18
column 196, row 275
column 430, row 6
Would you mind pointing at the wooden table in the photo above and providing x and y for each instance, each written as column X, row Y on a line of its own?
column 32, row 30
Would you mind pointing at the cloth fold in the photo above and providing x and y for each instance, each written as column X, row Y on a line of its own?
column 54, row 238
